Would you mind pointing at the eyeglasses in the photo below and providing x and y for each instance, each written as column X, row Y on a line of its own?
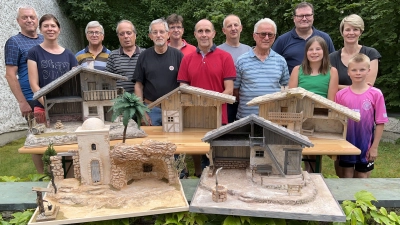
column 129, row 33
column 264, row 34
column 97, row 33
column 175, row 27
column 155, row 32
column 307, row 16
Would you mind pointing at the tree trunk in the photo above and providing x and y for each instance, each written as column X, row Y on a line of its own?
column 124, row 134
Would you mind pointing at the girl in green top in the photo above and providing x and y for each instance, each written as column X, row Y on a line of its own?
column 315, row 74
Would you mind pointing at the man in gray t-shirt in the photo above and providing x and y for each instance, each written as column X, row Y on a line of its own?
column 232, row 27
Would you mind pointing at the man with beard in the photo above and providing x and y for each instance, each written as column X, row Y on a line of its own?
column 157, row 70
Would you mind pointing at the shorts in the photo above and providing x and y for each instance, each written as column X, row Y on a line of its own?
column 359, row 167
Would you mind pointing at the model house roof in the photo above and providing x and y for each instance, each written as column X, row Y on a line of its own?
column 301, row 93
column 294, row 136
column 70, row 74
column 197, row 91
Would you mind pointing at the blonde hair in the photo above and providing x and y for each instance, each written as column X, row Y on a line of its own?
column 359, row 58
column 353, row 20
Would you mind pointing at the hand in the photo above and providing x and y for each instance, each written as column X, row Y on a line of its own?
column 25, row 108
column 147, row 119
column 372, row 154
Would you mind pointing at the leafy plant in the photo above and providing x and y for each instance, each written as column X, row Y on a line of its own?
column 46, row 158
column 9, row 179
column 20, row 218
column 128, row 105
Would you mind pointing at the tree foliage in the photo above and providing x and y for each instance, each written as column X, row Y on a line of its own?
column 381, row 17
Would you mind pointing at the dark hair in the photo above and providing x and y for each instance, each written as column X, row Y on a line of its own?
column 48, row 17
column 303, row 5
column 174, row 18
column 325, row 65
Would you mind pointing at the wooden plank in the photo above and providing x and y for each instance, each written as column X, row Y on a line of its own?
column 41, row 189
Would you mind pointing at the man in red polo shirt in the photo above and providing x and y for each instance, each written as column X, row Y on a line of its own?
column 209, row 68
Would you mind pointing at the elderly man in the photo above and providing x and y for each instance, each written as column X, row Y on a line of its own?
column 232, row 27
column 15, row 54
column 123, row 61
column 95, row 52
column 176, row 30
column 260, row 71
column 209, row 67
column 157, row 69
column 291, row 44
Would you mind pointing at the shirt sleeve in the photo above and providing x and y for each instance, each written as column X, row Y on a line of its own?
column 138, row 75
column 72, row 59
column 380, row 108
column 284, row 81
column 183, row 76
column 229, row 68
column 372, row 53
column 238, row 79
column 11, row 52
column 110, row 63
column 32, row 54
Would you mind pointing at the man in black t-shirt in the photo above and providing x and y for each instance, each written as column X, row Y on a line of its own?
column 157, row 69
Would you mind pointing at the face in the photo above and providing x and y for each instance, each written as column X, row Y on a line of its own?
column 204, row 33
column 95, row 36
column 264, row 36
column 315, row 52
column 351, row 34
column 158, row 34
column 304, row 18
column 126, row 36
column 232, row 27
column 175, row 31
column 358, row 71
column 49, row 29
column 27, row 20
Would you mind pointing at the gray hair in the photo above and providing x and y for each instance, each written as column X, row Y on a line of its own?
column 223, row 22
column 94, row 24
column 126, row 21
column 265, row 20
column 25, row 7
column 162, row 21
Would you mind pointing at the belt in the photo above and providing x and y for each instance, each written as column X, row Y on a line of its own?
column 147, row 102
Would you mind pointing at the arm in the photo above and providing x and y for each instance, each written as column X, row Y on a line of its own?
column 333, row 84
column 372, row 153
column 139, row 93
column 11, row 76
column 373, row 72
column 236, row 93
column 228, row 85
column 34, row 78
column 294, row 78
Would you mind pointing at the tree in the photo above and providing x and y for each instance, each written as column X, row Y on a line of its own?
column 129, row 106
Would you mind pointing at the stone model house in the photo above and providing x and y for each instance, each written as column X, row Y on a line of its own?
column 191, row 107
column 305, row 112
column 80, row 94
column 95, row 164
column 253, row 142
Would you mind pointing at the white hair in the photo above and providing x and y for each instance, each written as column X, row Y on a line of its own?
column 94, row 24
column 162, row 21
column 265, row 20
column 25, row 7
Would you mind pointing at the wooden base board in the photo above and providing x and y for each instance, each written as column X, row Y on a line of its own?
column 48, row 218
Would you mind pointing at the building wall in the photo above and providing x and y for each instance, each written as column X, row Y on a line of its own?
column 70, row 38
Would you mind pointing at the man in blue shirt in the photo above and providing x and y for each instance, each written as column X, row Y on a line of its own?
column 291, row 45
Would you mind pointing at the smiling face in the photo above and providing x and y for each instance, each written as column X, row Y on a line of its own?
column 232, row 27
column 315, row 52
column 358, row 71
column 158, row 34
column 204, row 33
column 176, row 30
column 351, row 34
column 304, row 18
column 95, row 36
column 264, row 43
column 27, row 20
column 49, row 29
column 126, row 35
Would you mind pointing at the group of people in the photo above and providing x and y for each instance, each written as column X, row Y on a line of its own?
column 303, row 57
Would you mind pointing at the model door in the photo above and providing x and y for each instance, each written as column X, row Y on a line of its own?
column 95, row 168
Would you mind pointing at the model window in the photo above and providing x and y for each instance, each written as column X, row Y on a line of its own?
column 93, row 147
column 321, row 112
column 105, row 86
column 93, row 111
column 284, row 109
column 170, row 119
column 147, row 167
column 259, row 153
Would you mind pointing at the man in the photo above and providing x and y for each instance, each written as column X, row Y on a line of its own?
column 291, row 45
column 15, row 52
column 95, row 52
column 209, row 68
column 157, row 69
column 175, row 25
column 260, row 71
column 123, row 61
column 232, row 27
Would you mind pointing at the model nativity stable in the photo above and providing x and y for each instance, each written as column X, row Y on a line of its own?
column 79, row 94
column 191, row 107
column 305, row 112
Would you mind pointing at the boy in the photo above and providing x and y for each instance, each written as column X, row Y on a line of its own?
column 369, row 102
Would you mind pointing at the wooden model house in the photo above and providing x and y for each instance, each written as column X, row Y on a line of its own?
column 258, row 144
column 79, row 94
column 305, row 112
column 191, row 107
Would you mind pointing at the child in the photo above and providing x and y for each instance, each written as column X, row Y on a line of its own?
column 370, row 103
column 315, row 74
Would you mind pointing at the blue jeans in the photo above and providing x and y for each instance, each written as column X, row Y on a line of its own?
column 155, row 116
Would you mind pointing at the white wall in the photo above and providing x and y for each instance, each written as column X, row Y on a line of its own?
column 70, row 38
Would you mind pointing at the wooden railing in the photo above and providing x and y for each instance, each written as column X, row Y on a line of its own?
column 283, row 116
column 99, row 95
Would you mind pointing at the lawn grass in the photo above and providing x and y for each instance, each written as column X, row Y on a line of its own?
column 13, row 163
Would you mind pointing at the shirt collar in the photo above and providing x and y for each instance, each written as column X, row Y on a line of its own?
column 211, row 49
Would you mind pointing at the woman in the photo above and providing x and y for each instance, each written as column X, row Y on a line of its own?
column 49, row 60
column 351, row 29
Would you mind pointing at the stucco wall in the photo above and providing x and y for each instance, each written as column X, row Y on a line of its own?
column 70, row 38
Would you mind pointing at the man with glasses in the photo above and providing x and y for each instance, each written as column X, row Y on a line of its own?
column 157, row 70
column 291, row 44
column 176, row 30
column 123, row 61
column 95, row 52
column 260, row 71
